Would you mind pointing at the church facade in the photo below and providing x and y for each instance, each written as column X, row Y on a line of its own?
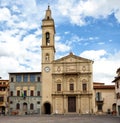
column 67, row 83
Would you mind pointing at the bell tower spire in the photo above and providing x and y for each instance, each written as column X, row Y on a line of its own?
column 48, row 13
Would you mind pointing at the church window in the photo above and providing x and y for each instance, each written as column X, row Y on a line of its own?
column 47, row 38
column 58, row 87
column 71, row 87
column 47, row 57
column 84, row 87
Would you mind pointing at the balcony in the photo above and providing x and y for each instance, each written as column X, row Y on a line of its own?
column 99, row 100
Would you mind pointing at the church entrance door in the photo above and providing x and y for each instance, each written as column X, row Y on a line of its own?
column 71, row 104
column 47, row 108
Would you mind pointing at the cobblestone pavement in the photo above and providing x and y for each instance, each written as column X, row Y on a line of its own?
column 59, row 119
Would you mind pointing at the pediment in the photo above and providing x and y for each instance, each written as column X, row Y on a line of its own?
column 72, row 58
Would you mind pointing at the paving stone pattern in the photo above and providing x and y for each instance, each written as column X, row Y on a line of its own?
column 60, row 119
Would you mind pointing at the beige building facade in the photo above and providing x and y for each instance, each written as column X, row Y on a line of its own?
column 105, row 101
column 117, row 90
column 67, row 83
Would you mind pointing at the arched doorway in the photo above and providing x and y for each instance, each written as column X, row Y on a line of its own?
column 47, row 108
column 25, row 108
column 114, row 107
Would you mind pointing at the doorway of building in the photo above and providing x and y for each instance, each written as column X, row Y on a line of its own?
column 47, row 108
column 71, row 104
column 119, row 110
column 25, row 108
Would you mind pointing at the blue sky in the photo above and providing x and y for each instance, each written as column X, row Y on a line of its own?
column 88, row 28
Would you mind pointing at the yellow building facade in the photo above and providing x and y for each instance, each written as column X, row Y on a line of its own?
column 105, row 100
column 4, row 87
column 67, row 83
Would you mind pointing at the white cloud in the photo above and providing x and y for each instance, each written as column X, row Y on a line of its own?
column 94, row 55
column 62, row 47
column 77, row 11
column 104, row 68
column 4, row 14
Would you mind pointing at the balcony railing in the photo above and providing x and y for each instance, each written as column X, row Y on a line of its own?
column 99, row 100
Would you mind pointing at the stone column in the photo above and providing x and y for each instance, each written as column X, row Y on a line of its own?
column 64, row 104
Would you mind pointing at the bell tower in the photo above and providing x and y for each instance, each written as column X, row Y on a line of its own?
column 48, row 34
column 48, row 53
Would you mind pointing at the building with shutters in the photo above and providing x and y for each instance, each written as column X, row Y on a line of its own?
column 24, row 93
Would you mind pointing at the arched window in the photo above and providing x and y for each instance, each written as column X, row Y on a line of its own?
column 31, row 106
column 47, row 57
column 47, row 38
column 17, row 106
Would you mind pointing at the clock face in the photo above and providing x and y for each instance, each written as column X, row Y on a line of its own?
column 47, row 69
